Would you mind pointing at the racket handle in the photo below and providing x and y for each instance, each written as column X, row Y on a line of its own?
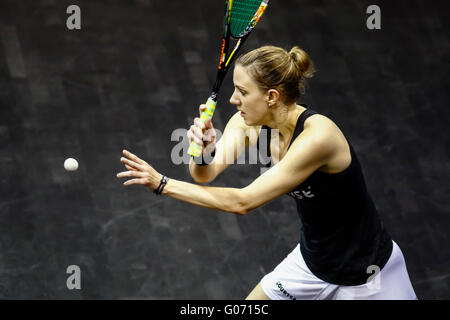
column 195, row 149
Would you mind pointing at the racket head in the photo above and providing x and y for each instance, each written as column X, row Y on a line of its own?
column 243, row 16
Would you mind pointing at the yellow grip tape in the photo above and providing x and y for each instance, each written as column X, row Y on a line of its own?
column 194, row 149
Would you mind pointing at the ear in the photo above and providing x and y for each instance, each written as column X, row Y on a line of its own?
column 272, row 96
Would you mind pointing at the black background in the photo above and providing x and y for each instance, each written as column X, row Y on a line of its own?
column 135, row 72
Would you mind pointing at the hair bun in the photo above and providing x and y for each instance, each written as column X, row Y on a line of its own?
column 303, row 62
column 276, row 68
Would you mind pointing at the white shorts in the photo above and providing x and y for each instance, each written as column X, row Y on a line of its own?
column 292, row 279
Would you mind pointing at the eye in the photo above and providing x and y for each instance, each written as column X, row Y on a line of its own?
column 242, row 92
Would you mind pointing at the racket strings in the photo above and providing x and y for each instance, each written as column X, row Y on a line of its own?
column 242, row 13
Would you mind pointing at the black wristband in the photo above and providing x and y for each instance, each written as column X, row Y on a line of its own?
column 204, row 163
column 161, row 186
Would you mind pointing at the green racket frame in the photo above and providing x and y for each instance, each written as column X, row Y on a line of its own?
column 241, row 16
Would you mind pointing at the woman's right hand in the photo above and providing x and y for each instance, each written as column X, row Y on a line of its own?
column 203, row 134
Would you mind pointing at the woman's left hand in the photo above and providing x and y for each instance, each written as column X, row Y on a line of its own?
column 140, row 172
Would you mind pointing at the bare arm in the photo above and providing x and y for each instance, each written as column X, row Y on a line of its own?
column 311, row 150
column 229, row 147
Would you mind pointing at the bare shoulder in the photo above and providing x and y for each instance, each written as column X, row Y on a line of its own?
column 322, row 128
column 320, row 135
column 237, row 123
column 327, row 141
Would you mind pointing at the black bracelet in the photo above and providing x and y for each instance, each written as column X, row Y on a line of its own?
column 204, row 163
column 161, row 186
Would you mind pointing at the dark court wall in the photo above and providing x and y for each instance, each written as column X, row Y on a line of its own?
column 135, row 73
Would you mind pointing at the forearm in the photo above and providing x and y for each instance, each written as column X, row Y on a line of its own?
column 218, row 198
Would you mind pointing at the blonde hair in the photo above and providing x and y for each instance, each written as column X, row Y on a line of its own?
column 275, row 68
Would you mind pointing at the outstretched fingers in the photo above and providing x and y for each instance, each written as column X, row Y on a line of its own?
column 138, row 177
column 132, row 164
column 127, row 174
column 135, row 181
column 134, row 157
column 139, row 171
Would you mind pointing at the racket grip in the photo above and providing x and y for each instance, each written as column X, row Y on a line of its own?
column 195, row 149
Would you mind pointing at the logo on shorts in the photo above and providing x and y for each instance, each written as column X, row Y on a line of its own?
column 373, row 282
column 283, row 291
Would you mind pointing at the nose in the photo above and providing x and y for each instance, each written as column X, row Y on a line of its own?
column 234, row 99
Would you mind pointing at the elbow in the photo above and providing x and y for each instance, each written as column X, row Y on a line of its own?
column 239, row 211
column 241, row 206
column 201, row 179
column 242, row 210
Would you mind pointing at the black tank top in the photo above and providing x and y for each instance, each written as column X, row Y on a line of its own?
column 341, row 234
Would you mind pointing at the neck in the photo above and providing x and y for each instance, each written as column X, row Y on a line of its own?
column 284, row 118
